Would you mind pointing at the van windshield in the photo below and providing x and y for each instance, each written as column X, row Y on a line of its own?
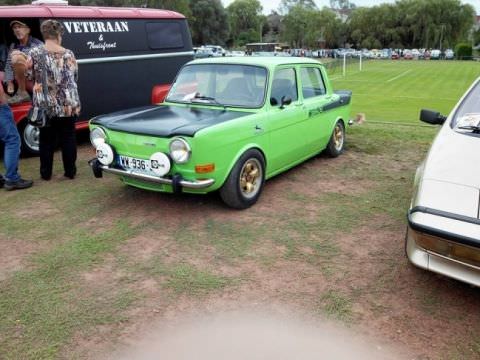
column 220, row 84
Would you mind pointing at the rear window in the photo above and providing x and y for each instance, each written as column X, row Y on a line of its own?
column 165, row 35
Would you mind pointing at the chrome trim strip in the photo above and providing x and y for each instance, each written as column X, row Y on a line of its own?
column 463, row 263
column 200, row 184
column 132, row 57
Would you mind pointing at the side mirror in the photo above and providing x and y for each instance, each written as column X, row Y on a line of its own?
column 285, row 101
column 432, row 117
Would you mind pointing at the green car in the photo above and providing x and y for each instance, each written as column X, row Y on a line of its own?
column 227, row 124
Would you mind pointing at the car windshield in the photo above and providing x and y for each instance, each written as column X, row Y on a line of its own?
column 220, row 84
column 467, row 117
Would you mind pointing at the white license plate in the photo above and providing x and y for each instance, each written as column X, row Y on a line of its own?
column 134, row 164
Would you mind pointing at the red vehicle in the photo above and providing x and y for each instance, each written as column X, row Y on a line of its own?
column 127, row 57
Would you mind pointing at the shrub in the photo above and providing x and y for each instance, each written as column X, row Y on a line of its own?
column 463, row 51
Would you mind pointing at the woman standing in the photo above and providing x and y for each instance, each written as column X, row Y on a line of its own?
column 55, row 74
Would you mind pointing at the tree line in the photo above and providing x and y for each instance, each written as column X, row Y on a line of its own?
column 300, row 23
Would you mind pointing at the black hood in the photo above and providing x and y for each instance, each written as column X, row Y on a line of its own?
column 165, row 120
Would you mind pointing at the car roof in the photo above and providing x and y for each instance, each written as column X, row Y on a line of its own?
column 90, row 12
column 265, row 61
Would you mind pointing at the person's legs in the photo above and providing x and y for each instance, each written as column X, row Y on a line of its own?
column 9, row 135
column 19, row 65
column 47, row 148
column 68, row 143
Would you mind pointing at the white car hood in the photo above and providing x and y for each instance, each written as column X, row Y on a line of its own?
column 451, row 175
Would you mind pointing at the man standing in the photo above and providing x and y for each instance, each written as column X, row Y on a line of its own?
column 16, row 66
column 9, row 135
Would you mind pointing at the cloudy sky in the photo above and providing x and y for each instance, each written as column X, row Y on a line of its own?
column 269, row 5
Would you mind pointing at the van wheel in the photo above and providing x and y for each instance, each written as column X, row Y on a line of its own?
column 337, row 140
column 245, row 182
column 30, row 136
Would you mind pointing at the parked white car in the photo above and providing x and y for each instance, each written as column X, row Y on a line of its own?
column 443, row 232
column 449, row 54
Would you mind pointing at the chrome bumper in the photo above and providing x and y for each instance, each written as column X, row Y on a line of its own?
column 199, row 184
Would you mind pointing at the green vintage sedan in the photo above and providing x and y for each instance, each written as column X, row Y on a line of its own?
column 227, row 124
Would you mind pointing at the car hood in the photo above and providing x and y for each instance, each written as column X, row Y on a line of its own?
column 454, row 158
column 165, row 120
column 451, row 176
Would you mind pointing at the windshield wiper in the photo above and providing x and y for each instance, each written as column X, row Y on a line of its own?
column 474, row 128
column 207, row 98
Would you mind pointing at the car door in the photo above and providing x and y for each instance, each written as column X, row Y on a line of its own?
column 315, row 99
column 286, row 124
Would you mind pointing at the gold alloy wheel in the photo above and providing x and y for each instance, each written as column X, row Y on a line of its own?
column 251, row 178
column 338, row 136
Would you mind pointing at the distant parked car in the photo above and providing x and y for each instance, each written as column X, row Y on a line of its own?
column 449, row 54
column 394, row 56
column 415, row 53
column 216, row 50
column 435, row 54
column 236, row 53
column 443, row 232
column 202, row 52
column 407, row 55
column 227, row 124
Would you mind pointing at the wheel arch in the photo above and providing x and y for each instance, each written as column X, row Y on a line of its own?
column 238, row 154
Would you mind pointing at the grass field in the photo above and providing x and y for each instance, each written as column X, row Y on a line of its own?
column 85, row 264
column 397, row 90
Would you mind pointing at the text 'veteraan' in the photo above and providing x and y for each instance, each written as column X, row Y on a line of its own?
column 96, row 26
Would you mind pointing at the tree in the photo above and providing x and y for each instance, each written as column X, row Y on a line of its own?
column 342, row 4
column 245, row 19
column 209, row 22
column 287, row 5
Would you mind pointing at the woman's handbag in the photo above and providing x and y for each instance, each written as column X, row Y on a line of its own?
column 38, row 116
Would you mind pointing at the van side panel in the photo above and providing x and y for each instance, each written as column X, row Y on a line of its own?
column 121, row 60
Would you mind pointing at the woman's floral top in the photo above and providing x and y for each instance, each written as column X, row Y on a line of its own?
column 61, row 71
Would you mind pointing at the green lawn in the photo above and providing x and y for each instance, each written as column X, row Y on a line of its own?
column 397, row 90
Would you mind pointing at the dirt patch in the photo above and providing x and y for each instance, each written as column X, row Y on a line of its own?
column 14, row 256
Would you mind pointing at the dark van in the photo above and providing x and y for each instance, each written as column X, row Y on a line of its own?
column 127, row 57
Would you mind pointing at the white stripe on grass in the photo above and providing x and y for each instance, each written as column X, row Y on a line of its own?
column 399, row 76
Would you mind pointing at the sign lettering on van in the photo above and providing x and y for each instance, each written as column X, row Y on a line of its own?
column 78, row 27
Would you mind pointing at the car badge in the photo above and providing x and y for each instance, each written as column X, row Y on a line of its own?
column 148, row 144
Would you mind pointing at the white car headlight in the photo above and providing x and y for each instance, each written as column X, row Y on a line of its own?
column 97, row 137
column 180, row 151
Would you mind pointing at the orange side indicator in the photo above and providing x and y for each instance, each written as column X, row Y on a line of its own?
column 203, row 169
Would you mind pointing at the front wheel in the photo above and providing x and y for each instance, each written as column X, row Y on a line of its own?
column 337, row 140
column 245, row 182
column 30, row 136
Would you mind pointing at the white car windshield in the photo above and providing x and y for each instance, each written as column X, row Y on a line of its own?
column 467, row 117
column 220, row 84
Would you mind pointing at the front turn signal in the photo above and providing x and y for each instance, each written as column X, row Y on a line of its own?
column 203, row 169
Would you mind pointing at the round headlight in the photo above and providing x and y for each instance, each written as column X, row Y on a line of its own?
column 105, row 154
column 97, row 137
column 180, row 151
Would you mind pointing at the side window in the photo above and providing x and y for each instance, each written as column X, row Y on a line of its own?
column 284, row 84
column 164, row 35
column 312, row 82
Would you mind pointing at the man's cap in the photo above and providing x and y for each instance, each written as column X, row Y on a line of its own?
column 19, row 23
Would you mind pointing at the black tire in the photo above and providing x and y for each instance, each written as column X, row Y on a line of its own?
column 30, row 137
column 337, row 140
column 245, row 182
